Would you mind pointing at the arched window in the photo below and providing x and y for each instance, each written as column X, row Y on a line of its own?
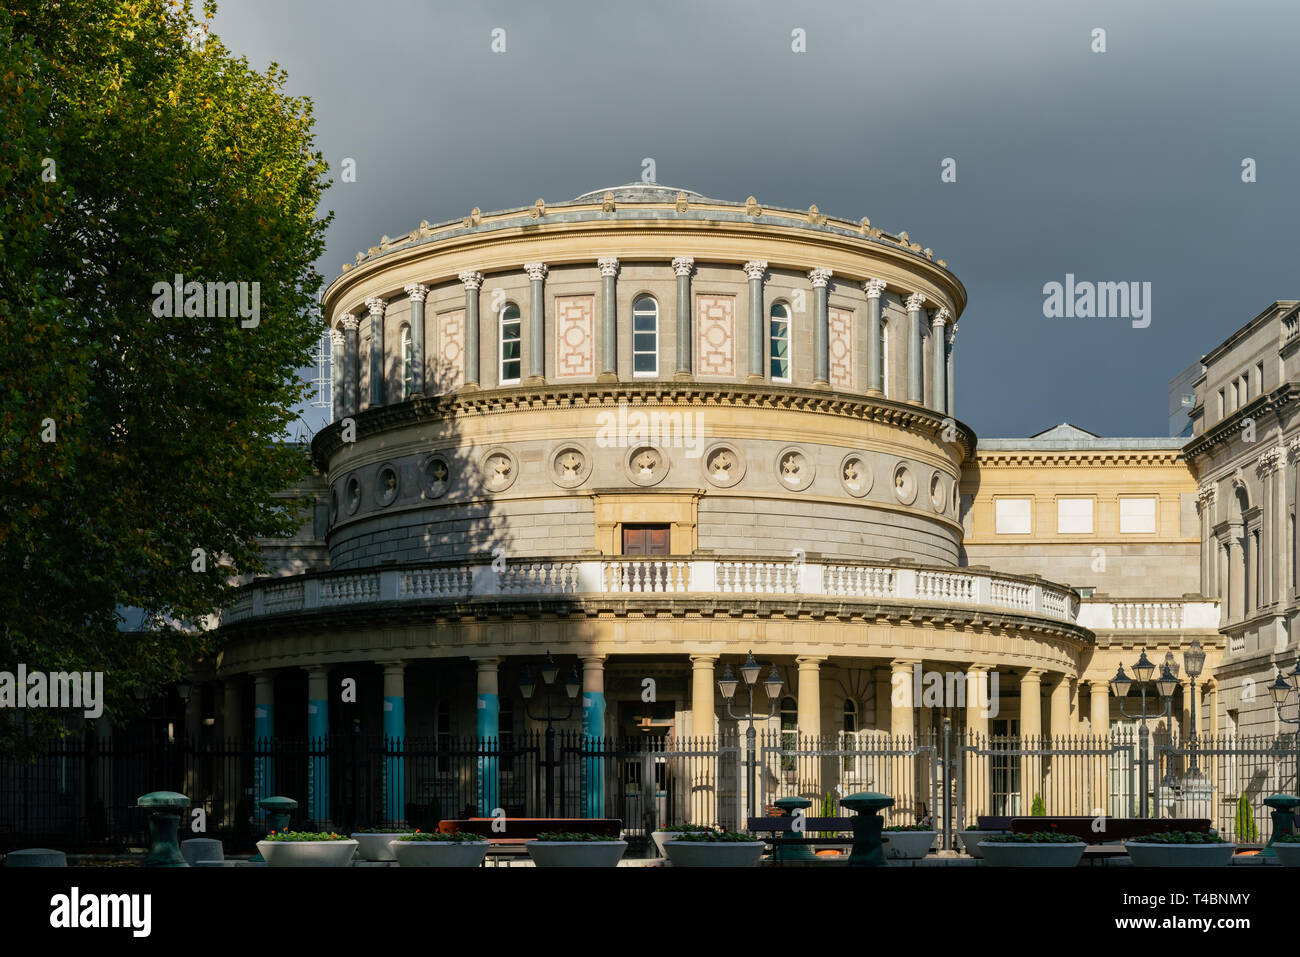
column 779, row 343
column 645, row 336
column 850, row 714
column 789, row 714
column 408, row 367
column 511, row 350
column 884, row 358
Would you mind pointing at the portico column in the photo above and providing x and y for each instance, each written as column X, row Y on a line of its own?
column 488, row 727
column 472, row 281
column 416, row 293
column 702, row 806
column 875, row 361
column 902, row 718
column 352, row 399
column 951, row 373
column 1061, row 779
column 318, row 731
column 703, row 712
column 978, row 704
column 1264, row 573
column 915, row 362
column 395, row 741
column 1236, row 576
column 1031, row 737
column 938, row 367
column 810, row 695
column 338, row 394
column 376, row 307
column 1279, row 592
column 682, row 266
column 609, row 319
column 593, row 726
column 536, row 323
column 755, row 269
column 1205, row 497
column 264, row 736
column 820, row 279
column 1099, row 721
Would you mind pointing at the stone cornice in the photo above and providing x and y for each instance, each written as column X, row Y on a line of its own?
column 1223, row 432
column 1056, row 457
column 422, row 409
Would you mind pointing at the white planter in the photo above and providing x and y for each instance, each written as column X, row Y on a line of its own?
column 659, row 837
column 440, row 853
column 998, row 854
column 714, row 853
column 970, row 841
column 374, row 847
column 908, row 845
column 1179, row 855
column 307, row 853
column 576, row 853
column 1288, row 854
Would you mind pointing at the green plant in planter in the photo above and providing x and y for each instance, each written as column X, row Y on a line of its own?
column 686, row 828
column 1246, row 830
column 294, row 836
column 1039, row 809
column 460, row 837
column 573, row 836
column 1037, row 837
column 380, row 830
column 1179, row 837
column 716, row 837
column 1287, row 839
column 976, row 827
column 908, row 827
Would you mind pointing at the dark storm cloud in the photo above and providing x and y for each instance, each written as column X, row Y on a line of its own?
column 1116, row 166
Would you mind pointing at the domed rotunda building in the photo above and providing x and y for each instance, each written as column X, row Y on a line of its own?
column 647, row 433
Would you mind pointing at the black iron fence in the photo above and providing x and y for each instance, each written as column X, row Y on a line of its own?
column 81, row 791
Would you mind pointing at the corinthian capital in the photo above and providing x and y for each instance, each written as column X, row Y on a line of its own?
column 682, row 265
column 376, row 306
column 608, row 265
column 756, row 269
column 471, row 280
column 1207, row 493
column 336, row 338
column 819, row 277
column 915, row 302
column 939, row 318
column 873, row 288
column 349, row 322
column 417, row 291
column 536, row 271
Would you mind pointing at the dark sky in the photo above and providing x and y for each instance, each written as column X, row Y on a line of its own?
column 1116, row 166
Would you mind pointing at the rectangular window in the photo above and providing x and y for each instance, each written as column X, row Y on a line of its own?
column 1220, row 403
column 511, row 346
column 1137, row 515
column 1074, row 516
column 780, row 345
column 1011, row 516
column 645, row 337
column 1259, row 378
column 884, row 359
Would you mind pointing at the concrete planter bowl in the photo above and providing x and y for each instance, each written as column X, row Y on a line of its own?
column 714, row 853
column 908, row 845
column 1288, row 855
column 439, row 853
column 1000, row 854
column 659, row 837
column 970, row 840
column 1179, row 855
column 307, row 853
column 374, row 846
column 576, row 853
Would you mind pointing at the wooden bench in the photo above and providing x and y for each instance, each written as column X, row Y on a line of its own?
column 519, row 830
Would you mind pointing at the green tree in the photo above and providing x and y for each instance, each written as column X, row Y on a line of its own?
column 1038, row 808
column 137, row 148
column 1246, row 830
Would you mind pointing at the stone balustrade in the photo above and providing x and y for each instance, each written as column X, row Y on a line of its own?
column 1169, row 615
column 632, row 576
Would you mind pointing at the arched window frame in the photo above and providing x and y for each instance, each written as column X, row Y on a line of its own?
column 510, row 367
column 775, row 340
column 407, row 362
column 884, row 357
column 645, row 337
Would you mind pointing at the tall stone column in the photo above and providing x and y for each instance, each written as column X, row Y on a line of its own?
column 593, row 726
column 1281, row 584
column 938, row 370
column 1205, row 498
column 915, row 361
column 338, row 391
column 351, row 349
column 810, row 695
column 395, row 742
column 976, row 784
column 703, row 804
column 536, row 323
column 682, row 266
column 488, row 727
column 1064, row 798
column 1236, row 575
column 821, row 279
column 1031, row 736
column 875, row 360
column 755, row 270
column 1099, row 705
column 1264, row 573
column 264, row 736
column 376, row 307
column 416, row 292
column 609, row 319
column 472, row 281
column 318, row 732
column 902, row 728
column 951, row 405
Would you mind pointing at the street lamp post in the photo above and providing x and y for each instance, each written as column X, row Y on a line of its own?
column 1122, row 685
column 1193, row 665
column 572, row 684
column 727, row 684
column 1281, row 690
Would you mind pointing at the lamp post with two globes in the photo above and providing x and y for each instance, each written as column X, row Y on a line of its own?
column 1121, row 686
column 527, row 685
column 727, row 684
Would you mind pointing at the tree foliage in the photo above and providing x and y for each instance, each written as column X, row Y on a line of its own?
column 136, row 148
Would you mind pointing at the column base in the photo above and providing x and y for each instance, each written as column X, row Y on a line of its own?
column 916, row 402
column 755, row 378
column 607, row 377
column 469, row 387
column 683, row 375
column 535, row 380
column 820, row 384
column 875, row 393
